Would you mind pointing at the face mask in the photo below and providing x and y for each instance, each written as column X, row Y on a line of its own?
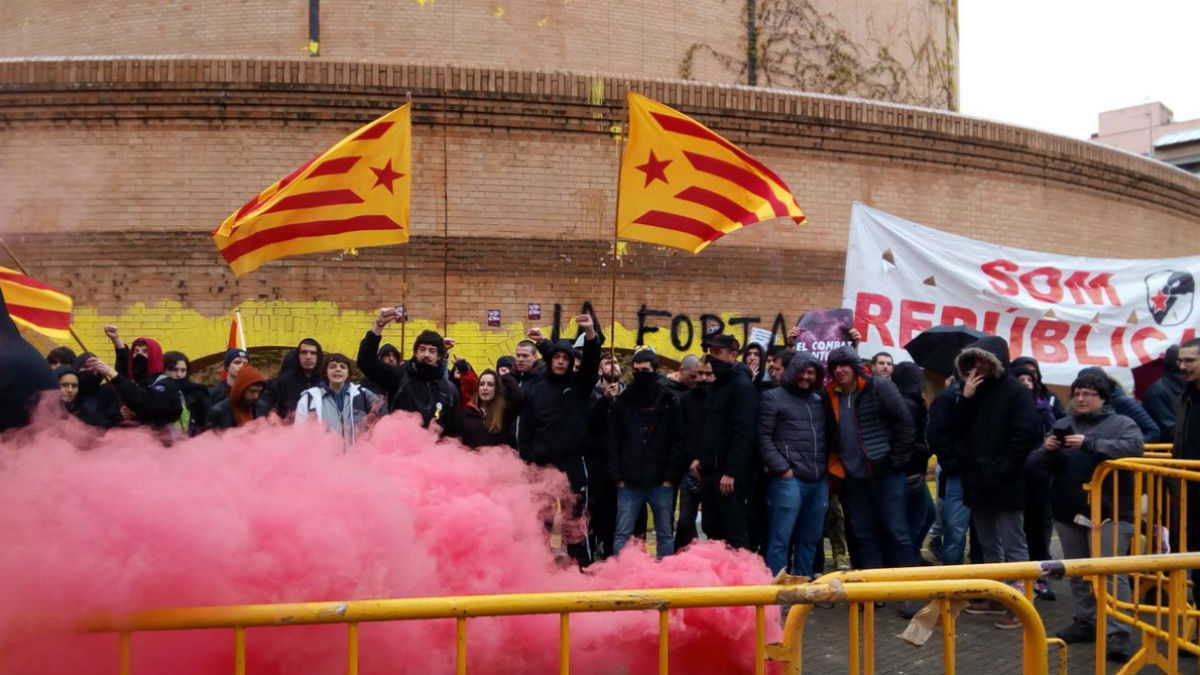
column 426, row 371
column 644, row 378
column 703, row 387
column 720, row 368
column 141, row 365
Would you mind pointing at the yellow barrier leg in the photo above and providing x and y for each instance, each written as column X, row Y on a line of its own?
column 352, row 648
column 564, row 644
column 760, row 640
column 123, row 642
column 663, row 645
column 239, row 650
column 868, row 638
column 948, row 641
column 460, row 645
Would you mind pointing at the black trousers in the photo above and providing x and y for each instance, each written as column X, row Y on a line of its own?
column 723, row 517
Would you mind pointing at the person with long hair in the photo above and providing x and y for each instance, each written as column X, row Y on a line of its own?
column 491, row 414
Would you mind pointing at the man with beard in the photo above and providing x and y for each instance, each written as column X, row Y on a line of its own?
column 791, row 444
column 554, row 425
column 299, row 371
column 417, row 385
column 725, row 441
column 646, row 454
column 147, row 395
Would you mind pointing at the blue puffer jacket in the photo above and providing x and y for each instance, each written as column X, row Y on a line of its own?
column 791, row 424
column 885, row 427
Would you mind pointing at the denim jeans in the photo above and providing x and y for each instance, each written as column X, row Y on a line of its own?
column 795, row 523
column 631, row 504
column 920, row 512
column 876, row 520
column 955, row 519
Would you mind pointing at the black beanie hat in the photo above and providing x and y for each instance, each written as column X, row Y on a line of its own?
column 430, row 337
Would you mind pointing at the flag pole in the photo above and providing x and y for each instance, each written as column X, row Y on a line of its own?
column 17, row 262
column 408, row 98
column 619, row 137
column 445, row 211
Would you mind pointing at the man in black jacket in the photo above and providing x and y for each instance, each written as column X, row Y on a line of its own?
column 791, row 444
column 956, row 517
column 691, row 404
column 873, row 440
column 725, row 440
column 554, row 423
column 302, row 369
column 995, row 427
column 24, row 374
column 1162, row 398
column 417, row 385
column 1187, row 441
column 646, row 454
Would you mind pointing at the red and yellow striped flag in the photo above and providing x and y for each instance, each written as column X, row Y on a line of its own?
column 353, row 194
column 36, row 306
column 682, row 185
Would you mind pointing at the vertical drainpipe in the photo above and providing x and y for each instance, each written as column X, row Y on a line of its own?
column 314, row 27
column 751, row 45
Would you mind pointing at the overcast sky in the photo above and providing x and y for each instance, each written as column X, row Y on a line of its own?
column 1055, row 65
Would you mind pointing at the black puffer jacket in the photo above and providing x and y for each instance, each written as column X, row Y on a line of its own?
column 791, row 424
column 412, row 386
column 994, row 430
column 283, row 391
column 553, row 425
column 646, row 442
column 909, row 379
column 725, row 438
column 885, row 427
column 1108, row 436
column 940, row 430
column 1162, row 398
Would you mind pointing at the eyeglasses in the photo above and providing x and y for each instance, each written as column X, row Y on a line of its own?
column 1085, row 393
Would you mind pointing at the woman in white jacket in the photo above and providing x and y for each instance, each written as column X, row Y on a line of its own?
column 343, row 406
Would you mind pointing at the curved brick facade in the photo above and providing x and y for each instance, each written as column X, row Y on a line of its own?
column 116, row 170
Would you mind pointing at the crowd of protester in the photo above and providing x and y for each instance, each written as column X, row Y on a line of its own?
column 771, row 449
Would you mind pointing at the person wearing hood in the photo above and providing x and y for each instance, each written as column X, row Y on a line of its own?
column 920, row 509
column 792, row 445
column 68, row 385
column 96, row 403
column 755, row 358
column 995, row 427
column 417, row 385
column 553, row 428
column 1041, row 392
column 196, row 403
column 1093, row 433
column 147, row 395
column 1038, row 522
column 1124, row 404
column 725, row 440
column 1161, row 400
column 244, row 403
column 646, row 454
column 344, row 407
column 872, row 445
column 301, row 370
column 388, row 354
column 235, row 358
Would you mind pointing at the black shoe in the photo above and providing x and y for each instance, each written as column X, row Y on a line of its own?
column 909, row 609
column 1119, row 648
column 1041, row 588
column 1078, row 631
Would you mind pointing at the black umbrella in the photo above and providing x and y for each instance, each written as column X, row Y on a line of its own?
column 936, row 348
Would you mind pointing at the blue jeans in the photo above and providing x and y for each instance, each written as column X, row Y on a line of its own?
column 955, row 519
column 795, row 522
column 920, row 513
column 631, row 504
column 876, row 520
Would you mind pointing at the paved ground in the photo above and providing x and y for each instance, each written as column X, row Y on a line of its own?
column 981, row 648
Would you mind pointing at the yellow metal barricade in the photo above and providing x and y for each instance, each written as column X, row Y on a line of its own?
column 942, row 585
column 1159, row 608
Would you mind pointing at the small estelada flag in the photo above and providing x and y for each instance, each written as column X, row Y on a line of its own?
column 354, row 194
column 684, row 186
column 237, row 336
column 36, row 306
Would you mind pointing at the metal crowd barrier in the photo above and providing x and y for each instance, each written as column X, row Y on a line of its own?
column 941, row 585
column 1159, row 607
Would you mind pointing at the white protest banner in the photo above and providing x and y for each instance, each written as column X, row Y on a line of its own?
column 1068, row 312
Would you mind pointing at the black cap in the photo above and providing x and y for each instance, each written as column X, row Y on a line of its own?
column 720, row 340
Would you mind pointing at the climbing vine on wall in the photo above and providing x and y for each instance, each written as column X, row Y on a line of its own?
column 800, row 47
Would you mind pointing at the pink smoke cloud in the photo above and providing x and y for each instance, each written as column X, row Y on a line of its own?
column 281, row 514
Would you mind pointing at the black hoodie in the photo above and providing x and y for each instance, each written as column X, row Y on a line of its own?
column 994, row 430
column 412, row 386
column 729, row 418
column 554, row 422
column 283, row 391
column 1162, row 398
column 24, row 374
column 910, row 380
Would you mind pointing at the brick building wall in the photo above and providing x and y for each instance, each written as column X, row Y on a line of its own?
column 704, row 40
column 116, row 171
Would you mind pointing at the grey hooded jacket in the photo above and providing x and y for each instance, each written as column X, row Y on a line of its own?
column 791, row 424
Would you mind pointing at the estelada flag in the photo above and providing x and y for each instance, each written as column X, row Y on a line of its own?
column 36, row 306
column 237, row 337
column 682, row 185
column 353, row 194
